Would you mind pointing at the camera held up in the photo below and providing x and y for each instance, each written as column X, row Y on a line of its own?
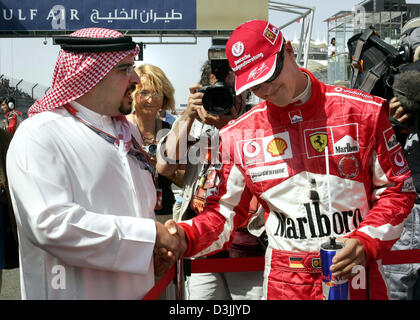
column 383, row 70
column 219, row 98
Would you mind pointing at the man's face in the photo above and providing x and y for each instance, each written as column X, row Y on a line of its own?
column 113, row 93
column 283, row 88
column 4, row 107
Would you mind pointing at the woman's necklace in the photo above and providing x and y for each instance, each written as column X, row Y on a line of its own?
column 146, row 139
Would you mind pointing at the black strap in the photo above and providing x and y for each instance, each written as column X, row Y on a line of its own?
column 82, row 44
column 373, row 75
column 355, row 63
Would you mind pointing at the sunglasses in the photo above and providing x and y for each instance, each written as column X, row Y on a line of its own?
column 277, row 71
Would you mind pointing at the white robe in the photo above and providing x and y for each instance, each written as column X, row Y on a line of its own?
column 84, row 211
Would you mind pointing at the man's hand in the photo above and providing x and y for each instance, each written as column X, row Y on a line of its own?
column 353, row 254
column 194, row 103
column 196, row 109
column 176, row 230
column 398, row 111
column 170, row 246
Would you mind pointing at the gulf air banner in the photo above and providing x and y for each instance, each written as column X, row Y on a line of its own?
column 56, row 15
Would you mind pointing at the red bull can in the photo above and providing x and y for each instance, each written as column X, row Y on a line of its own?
column 332, row 288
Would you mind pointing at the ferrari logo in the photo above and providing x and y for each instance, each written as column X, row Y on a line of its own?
column 269, row 34
column 319, row 141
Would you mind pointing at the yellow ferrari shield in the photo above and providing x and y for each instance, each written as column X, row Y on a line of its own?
column 319, row 141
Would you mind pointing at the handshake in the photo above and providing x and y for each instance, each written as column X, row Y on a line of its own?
column 170, row 246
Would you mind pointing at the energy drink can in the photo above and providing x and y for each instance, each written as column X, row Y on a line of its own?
column 332, row 289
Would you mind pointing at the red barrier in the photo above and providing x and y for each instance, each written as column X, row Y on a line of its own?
column 227, row 265
column 158, row 289
column 257, row 264
column 402, row 257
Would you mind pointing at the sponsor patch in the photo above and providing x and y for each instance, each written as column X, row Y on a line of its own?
column 348, row 167
column 296, row 262
column 408, row 185
column 344, row 140
column 399, row 164
column 319, row 140
column 316, row 224
column 346, row 145
column 265, row 173
column 238, row 49
column 271, row 33
column 252, row 149
column 316, row 263
column 277, row 147
column 390, row 139
column 295, row 116
column 265, row 150
column 245, row 60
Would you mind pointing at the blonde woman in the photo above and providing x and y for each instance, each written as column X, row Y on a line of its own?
column 153, row 93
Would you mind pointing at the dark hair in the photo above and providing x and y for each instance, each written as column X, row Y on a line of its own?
column 205, row 74
column 332, row 39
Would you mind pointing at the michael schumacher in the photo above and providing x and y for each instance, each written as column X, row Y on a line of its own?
column 276, row 151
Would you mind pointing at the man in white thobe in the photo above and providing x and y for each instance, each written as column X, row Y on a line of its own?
column 81, row 187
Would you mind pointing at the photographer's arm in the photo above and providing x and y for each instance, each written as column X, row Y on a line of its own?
column 175, row 144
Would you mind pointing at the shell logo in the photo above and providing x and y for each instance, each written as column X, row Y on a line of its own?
column 277, row 147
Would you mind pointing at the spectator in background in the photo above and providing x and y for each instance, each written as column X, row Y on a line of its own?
column 154, row 92
column 9, row 255
column 199, row 183
column 331, row 49
column 4, row 109
column 13, row 116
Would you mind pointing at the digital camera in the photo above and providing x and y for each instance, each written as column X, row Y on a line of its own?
column 218, row 98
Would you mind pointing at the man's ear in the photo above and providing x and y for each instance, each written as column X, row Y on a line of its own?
column 289, row 48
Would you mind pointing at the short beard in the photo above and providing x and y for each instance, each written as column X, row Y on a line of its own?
column 124, row 111
column 121, row 107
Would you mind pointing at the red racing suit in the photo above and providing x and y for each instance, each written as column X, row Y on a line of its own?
column 278, row 155
column 13, row 120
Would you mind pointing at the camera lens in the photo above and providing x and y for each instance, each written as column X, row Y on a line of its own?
column 219, row 99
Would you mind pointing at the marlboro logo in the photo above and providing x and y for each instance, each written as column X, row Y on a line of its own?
column 390, row 139
column 344, row 140
column 316, row 224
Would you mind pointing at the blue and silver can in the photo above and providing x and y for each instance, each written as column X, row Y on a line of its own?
column 332, row 289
